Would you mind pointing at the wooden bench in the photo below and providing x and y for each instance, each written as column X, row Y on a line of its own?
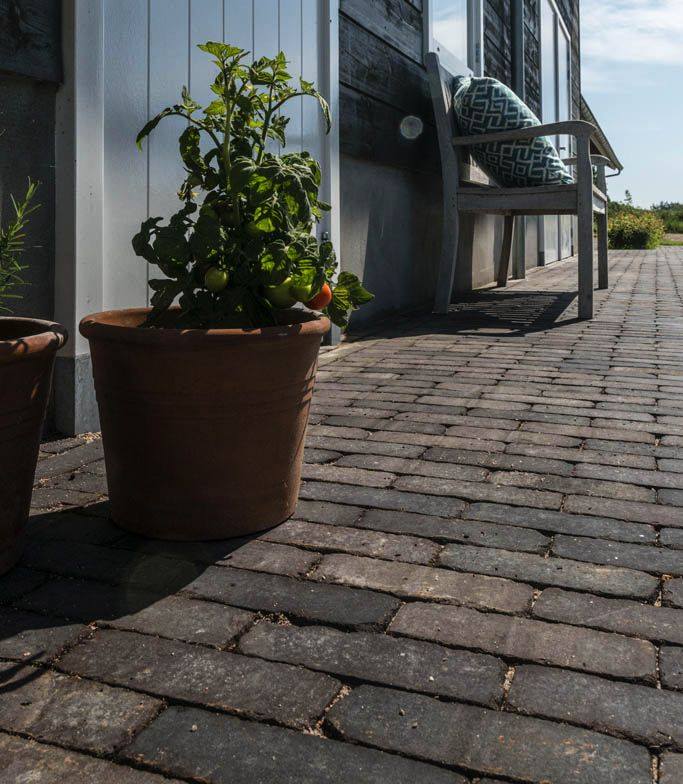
column 581, row 198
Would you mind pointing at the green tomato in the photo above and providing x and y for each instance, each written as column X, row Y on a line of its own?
column 215, row 279
column 302, row 293
column 281, row 296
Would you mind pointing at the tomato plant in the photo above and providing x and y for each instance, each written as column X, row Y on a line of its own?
column 242, row 246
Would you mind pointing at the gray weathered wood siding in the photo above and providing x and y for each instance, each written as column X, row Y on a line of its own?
column 382, row 81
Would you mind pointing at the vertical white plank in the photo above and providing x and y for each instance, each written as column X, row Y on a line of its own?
column 312, row 125
column 266, row 41
column 290, row 43
column 206, row 24
column 168, row 72
column 239, row 23
column 266, row 32
column 124, row 167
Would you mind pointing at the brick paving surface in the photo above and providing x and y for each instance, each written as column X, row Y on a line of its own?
column 483, row 581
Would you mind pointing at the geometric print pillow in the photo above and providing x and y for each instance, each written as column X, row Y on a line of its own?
column 485, row 105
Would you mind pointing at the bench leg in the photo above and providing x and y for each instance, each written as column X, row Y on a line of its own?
column 505, row 251
column 449, row 255
column 603, row 268
column 585, row 215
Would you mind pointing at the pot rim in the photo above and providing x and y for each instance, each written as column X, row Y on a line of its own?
column 47, row 337
column 107, row 325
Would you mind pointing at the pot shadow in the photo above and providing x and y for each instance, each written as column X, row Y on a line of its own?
column 78, row 568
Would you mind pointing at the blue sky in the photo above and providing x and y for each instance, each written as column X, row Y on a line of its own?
column 632, row 78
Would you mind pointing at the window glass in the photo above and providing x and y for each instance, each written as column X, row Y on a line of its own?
column 449, row 25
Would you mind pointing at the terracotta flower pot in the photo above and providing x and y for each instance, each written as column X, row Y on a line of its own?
column 27, row 355
column 203, row 430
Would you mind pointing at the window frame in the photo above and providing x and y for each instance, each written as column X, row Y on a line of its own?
column 452, row 61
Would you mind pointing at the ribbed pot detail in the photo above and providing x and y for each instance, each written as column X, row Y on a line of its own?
column 203, row 430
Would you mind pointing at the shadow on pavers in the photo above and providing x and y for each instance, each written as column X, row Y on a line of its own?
column 78, row 568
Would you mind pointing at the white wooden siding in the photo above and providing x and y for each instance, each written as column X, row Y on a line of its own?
column 149, row 52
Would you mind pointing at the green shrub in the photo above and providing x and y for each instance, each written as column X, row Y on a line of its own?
column 639, row 231
column 672, row 215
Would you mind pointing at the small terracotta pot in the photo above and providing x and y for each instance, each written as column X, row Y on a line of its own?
column 203, row 429
column 27, row 355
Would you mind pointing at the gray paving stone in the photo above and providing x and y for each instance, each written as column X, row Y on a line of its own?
column 56, row 496
column 574, row 455
column 351, row 540
column 642, row 713
column 549, row 571
column 672, row 592
column 312, row 455
column 568, row 484
column 69, row 711
column 479, row 491
column 424, row 582
column 631, row 511
column 262, row 556
column 23, row 761
column 372, row 447
column 26, row 636
column 615, row 615
column 57, row 446
column 657, row 560
column 189, row 620
column 107, row 564
column 636, row 476
column 70, row 460
column 205, row 746
column 562, row 522
column 528, row 640
column 382, row 499
column 671, row 497
column 86, row 600
column 671, row 769
column 671, row 537
column 308, row 600
column 217, row 679
column 348, row 476
column 485, row 741
column 377, row 658
column 72, row 527
column 496, row 460
column 322, row 512
column 402, row 465
column 671, row 667
column 466, row 531
column 19, row 581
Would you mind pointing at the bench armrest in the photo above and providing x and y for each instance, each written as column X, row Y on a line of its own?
column 596, row 160
column 576, row 128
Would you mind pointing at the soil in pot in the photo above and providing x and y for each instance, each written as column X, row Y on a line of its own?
column 27, row 353
column 203, row 429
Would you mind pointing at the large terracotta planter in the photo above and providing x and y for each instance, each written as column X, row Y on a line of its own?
column 203, row 430
column 27, row 355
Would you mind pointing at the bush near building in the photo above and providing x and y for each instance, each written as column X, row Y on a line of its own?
column 635, row 230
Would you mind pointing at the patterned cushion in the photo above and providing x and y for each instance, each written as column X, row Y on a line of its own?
column 485, row 105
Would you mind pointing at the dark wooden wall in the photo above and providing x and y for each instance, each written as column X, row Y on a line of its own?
column 30, row 70
column 382, row 81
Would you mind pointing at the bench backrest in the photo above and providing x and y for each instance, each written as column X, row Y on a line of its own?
column 441, row 84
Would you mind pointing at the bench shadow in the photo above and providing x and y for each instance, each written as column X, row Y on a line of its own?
column 486, row 312
column 78, row 568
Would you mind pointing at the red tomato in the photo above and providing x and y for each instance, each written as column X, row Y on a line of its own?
column 322, row 299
